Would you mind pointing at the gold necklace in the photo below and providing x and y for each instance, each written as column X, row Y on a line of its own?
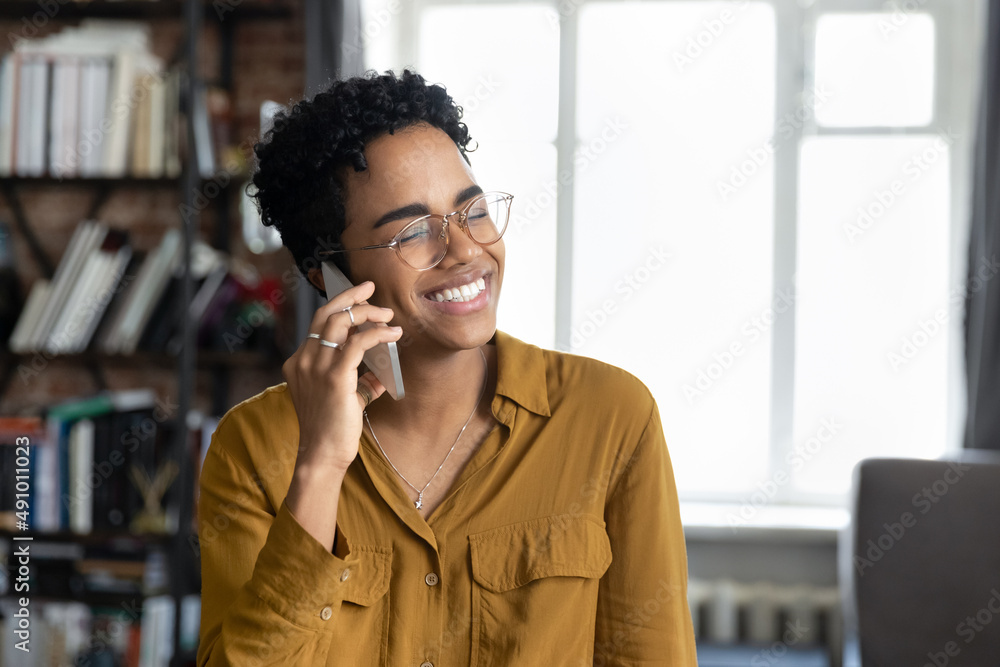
column 420, row 492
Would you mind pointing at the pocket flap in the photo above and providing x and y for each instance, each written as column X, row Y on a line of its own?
column 562, row 545
column 368, row 575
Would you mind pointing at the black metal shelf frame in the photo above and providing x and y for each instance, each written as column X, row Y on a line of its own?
column 185, row 574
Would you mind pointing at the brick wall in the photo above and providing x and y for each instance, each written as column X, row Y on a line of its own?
column 268, row 63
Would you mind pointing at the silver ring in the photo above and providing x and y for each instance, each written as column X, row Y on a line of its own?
column 312, row 335
column 350, row 314
column 329, row 343
column 365, row 394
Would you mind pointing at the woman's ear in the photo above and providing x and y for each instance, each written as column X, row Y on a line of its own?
column 316, row 278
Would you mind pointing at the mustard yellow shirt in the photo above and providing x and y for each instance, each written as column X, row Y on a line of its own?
column 560, row 542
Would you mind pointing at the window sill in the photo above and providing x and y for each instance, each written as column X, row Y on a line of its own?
column 786, row 523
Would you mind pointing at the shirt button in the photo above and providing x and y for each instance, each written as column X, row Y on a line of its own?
column 326, row 613
column 427, row 663
column 346, row 574
column 431, row 579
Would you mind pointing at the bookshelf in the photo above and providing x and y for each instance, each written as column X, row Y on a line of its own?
column 21, row 194
column 147, row 9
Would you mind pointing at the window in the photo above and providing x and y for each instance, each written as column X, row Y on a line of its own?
column 757, row 208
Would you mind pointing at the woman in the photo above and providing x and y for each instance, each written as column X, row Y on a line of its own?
column 517, row 504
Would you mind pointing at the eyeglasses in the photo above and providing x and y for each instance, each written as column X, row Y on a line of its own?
column 423, row 242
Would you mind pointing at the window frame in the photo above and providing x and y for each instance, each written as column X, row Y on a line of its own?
column 958, row 47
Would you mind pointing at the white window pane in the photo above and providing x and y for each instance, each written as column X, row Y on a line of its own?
column 500, row 62
column 528, row 294
column 876, row 69
column 872, row 276
column 378, row 36
column 660, row 128
column 505, row 76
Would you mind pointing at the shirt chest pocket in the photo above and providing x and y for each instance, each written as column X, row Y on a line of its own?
column 362, row 626
column 535, row 589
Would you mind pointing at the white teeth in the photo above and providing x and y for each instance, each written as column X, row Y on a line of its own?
column 461, row 293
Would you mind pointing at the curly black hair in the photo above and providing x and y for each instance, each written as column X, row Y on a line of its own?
column 301, row 160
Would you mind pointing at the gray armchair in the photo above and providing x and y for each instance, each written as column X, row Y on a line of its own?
column 920, row 563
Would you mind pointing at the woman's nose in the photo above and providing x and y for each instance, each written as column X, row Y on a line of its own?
column 461, row 247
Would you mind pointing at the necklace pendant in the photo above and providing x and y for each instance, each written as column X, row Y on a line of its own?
column 420, row 500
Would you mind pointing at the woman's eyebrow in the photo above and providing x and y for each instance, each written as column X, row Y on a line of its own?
column 408, row 211
column 468, row 192
column 416, row 210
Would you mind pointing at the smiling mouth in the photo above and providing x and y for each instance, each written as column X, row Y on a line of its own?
column 466, row 292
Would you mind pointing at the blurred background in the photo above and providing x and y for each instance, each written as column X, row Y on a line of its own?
column 775, row 213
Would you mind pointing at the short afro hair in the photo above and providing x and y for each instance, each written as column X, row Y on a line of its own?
column 300, row 161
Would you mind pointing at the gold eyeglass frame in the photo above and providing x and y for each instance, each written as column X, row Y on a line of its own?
column 461, row 221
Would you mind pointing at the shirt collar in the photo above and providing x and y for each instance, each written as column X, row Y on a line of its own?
column 521, row 373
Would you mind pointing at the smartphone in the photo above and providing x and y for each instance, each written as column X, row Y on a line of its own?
column 383, row 359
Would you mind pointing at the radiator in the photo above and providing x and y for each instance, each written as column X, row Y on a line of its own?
column 766, row 613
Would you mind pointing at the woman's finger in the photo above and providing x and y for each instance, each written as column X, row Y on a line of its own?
column 369, row 389
column 354, row 296
column 355, row 316
column 353, row 350
column 341, row 325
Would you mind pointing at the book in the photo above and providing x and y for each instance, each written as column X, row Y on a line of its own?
column 154, row 167
column 86, row 237
column 60, row 419
column 142, row 127
column 143, row 295
column 173, row 136
column 123, row 73
column 102, row 271
column 65, row 328
column 80, row 458
column 20, row 338
column 29, row 158
column 157, row 647
column 45, row 515
column 95, row 77
column 205, row 156
column 165, row 319
column 64, row 116
column 8, row 86
column 208, row 270
column 118, row 255
column 114, row 309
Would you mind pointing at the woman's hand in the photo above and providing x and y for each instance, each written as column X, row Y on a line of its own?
column 324, row 382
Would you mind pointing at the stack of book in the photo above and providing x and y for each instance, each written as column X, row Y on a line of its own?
column 62, row 315
column 86, row 472
column 106, row 298
column 92, row 461
column 137, row 632
column 89, row 101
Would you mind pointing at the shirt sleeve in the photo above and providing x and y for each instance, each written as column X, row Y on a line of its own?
column 642, row 608
column 271, row 593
